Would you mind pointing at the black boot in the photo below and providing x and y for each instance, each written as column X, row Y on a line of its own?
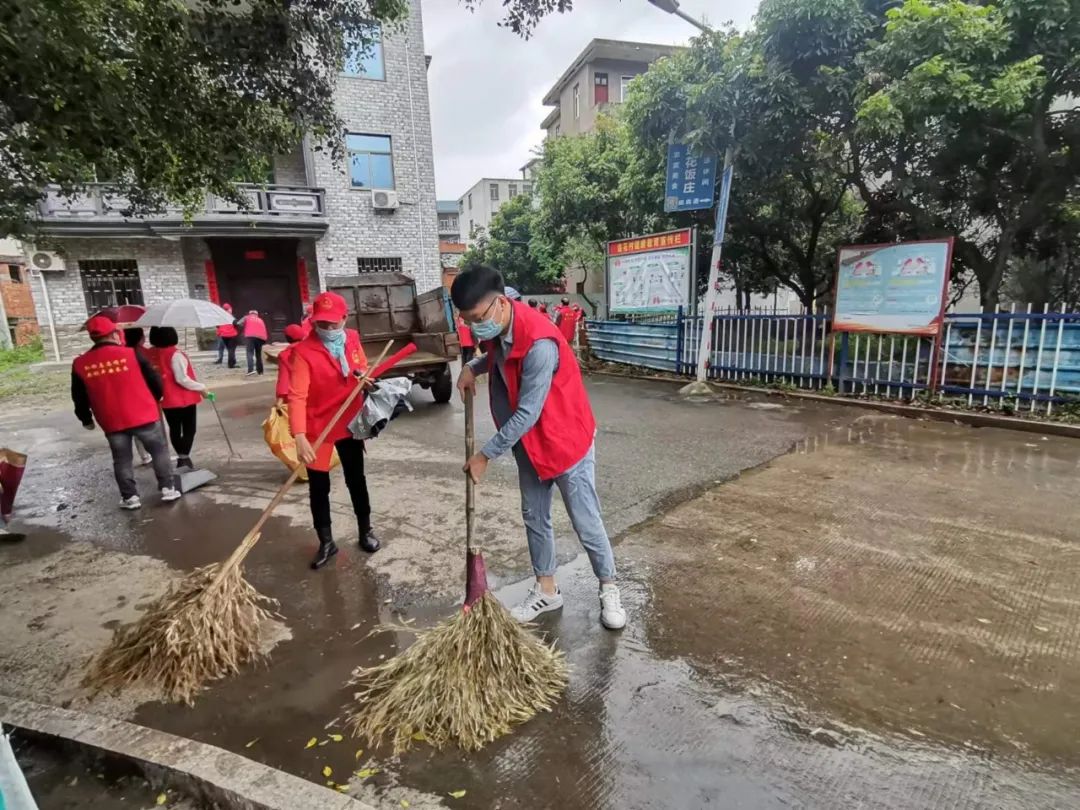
column 368, row 541
column 327, row 548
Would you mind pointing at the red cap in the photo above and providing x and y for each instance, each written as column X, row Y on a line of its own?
column 227, row 306
column 294, row 332
column 100, row 326
column 329, row 306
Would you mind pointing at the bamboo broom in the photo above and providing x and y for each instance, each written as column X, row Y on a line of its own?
column 209, row 623
column 467, row 680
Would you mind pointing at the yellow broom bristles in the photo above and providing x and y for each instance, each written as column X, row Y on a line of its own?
column 199, row 631
column 467, row 681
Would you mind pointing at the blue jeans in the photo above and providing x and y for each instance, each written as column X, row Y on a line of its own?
column 578, row 488
column 152, row 437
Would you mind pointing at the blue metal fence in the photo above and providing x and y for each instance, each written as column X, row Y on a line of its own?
column 1005, row 359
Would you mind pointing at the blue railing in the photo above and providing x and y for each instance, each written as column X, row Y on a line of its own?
column 1014, row 359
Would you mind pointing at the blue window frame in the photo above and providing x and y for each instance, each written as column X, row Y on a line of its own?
column 365, row 62
column 371, row 161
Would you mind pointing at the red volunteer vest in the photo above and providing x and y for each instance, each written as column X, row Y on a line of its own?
column 226, row 331
column 255, row 327
column 281, row 389
column 173, row 394
column 566, row 428
column 329, row 387
column 114, row 383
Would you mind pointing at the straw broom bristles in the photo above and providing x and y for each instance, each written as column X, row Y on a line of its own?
column 199, row 631
column 467, row 680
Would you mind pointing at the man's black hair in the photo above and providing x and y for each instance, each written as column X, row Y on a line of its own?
column 533, row 303
column 475, row 284
column 133, row 336
column 162, row 337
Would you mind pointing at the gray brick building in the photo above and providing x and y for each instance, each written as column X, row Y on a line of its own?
column 377, row 212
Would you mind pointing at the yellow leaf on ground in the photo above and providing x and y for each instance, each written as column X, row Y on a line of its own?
column 457, row 794
column 162, row 798
column 343, row 788
column 248, row 745
column 360, row 753
column 330, row 783
column 327, row 770
column 311, row 742
column 419, row 736
column 324, row 742
column 336, row 737
column 366, row 772
column 404, row 804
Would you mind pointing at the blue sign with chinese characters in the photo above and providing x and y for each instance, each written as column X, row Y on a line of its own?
column 691, row 179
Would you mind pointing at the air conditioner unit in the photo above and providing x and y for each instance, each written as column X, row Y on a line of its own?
column 384, row 199
column 47, row 261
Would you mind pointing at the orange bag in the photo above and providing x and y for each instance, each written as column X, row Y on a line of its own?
column 282, row 444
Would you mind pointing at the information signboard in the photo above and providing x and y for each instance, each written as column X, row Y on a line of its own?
column 652, row 273
column 898, row 288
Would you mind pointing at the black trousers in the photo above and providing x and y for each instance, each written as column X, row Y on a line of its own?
column 351, row 453
column 254, row 354
column 181, row 423
column 467, row 354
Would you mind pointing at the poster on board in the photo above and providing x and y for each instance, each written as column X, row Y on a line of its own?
column 898, row 288
column 651, row 273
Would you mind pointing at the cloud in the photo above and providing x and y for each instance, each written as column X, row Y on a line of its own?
column 486, row 84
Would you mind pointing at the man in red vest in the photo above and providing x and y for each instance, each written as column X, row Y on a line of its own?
column 255, row 335
column 324, row 367
column 112, row 384
column 566, row 318
column 540, row 405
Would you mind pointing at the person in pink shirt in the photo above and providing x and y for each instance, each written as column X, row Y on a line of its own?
column 255, row 335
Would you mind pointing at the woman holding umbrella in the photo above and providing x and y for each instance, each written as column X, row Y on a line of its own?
column 181, row 392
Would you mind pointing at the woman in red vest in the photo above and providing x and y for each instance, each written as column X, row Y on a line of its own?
column 294, row 333
column 181, row 392
column 542, row 411
column 119, row 389
column 227, row 335
column 255, row 335
column 324, row 370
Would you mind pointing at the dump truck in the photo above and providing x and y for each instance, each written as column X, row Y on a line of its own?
column 384, row 307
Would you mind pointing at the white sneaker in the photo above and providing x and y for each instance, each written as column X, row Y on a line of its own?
column 169, row 494
column 144, row 460
column 612, row 615
column 131, row 503
column 535, row 603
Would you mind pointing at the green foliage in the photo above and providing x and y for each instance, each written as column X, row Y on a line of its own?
column 21, row 355
column 510, row 247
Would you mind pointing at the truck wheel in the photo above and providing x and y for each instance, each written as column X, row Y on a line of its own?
column 443, row 386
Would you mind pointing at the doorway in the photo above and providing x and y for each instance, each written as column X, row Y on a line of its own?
column 259, row 274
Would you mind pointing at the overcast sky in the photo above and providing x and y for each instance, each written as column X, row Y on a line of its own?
column 487, row 84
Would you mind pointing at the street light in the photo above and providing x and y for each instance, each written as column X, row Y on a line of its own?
column 672, row 7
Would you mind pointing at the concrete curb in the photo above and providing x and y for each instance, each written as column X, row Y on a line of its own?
column 908, row 411
column 208, row 773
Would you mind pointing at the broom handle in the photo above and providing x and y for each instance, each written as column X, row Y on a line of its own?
column 470, row 488
column 252, row 537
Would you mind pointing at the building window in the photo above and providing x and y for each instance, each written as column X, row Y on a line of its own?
column 470, row 201
column 15, row 273
column 493, row 191
column 448, row 223
column 364, row 54
column 110, row 283
column 511, row 191
column 385, row 264
column 461, row 206
column 600, row 85
column 371, row 164
column 624, row 87
column 577, row 102
column 558, row 130
column 472, row 229
column 526, row 189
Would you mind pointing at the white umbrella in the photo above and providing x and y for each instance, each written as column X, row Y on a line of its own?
column 185, row 312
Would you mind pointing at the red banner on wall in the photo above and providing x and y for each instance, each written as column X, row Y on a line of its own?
column 301, row 280
column 211, row 282
column 653, row 241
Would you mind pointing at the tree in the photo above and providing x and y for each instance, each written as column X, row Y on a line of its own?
column 966, row 129
column 167, row 99
column 511, row 248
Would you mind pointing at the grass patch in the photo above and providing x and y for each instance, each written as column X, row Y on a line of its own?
column 20, row 383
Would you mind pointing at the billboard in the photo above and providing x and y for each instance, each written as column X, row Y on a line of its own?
column 897, row 288
column 652, row 273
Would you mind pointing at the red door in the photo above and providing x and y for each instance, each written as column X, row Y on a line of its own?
column 600, row 86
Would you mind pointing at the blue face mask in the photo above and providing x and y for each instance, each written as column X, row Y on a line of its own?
column 487, row 329
column 334, row 341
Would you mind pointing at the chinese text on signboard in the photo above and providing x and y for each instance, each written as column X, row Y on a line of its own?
column 896, row 288
column 649, row 273
column 691, row 179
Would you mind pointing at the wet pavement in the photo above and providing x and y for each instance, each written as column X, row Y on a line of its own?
column 827, row 608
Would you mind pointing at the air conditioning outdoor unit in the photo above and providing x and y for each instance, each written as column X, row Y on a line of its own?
column 47, row 261
column 383, row 199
